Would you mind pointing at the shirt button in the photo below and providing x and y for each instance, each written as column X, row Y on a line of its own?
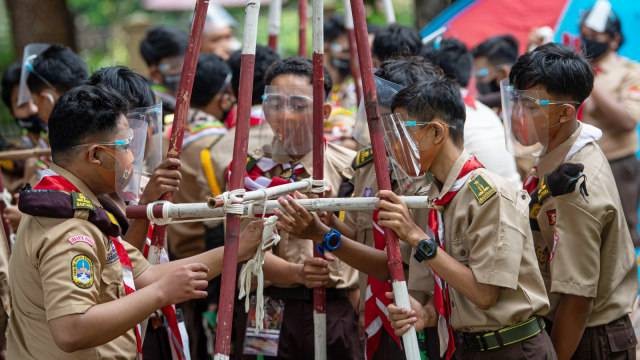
column 463, row 252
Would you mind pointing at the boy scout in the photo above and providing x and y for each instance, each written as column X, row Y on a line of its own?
column 488, row 286
column 583, row 245
column 614, row 105
column 71, row 269
column 288, row 107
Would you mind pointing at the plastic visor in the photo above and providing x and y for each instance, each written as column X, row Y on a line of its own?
column 30, row 54
column 130, row 160
column 403, row 153
column 153, row 147
column 385, row 90
column 289, row 113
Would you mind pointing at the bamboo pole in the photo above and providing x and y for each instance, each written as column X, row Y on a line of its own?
column 302, row 28
column 275, row 16
column 389, row 13
column 24, row 154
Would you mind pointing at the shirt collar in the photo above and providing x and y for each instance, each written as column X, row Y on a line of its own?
column 551, row 160
column 82, row 187
column 452, row 176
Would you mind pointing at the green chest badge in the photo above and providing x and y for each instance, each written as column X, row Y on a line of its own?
column 82, row 271
column 363, row 157
column 481, row 189
column 81, row 202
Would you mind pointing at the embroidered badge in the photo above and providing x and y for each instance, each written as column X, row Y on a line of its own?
column 112, row 255
column 82, row 271
column 481, row 189
column 551, row 216
column 81, row 239
column 81, row 202
column 362, row 158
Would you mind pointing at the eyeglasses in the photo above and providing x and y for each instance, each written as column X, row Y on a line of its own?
column 278, row 102
column 541, row 102
column 415, row 124
column 118, row 144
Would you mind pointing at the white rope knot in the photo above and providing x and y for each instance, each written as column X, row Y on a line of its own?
column 253, row 267
column 164, row 219
column 233, row 201
column 319, row 186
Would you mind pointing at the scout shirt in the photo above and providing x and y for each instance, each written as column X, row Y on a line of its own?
column 583, row 246
column 204, row 131
column 619, row 77
column 490, row 234
column 337, row 162
column 5, row 305
column 47, row 254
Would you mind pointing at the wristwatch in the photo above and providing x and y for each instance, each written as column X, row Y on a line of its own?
column 426, row 250
column 331, row 240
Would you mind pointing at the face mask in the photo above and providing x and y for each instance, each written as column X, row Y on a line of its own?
column 32, row 124
column 342, row 66
column 171, row 82
column 490, row 87
column 594, row 49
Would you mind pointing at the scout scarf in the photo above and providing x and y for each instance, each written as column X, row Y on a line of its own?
column 376, row 319
column 52, row 182
column 257, row 177
column 441, row 298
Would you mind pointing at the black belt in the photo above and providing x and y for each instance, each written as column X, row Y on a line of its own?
column 493, row 340
column 301, row 293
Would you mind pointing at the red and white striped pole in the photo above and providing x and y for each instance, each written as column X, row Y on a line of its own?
column 275, row 15
column 353, row 49
column 381, row 164
column 302, row 28
column 232, row 232
column 319, row 293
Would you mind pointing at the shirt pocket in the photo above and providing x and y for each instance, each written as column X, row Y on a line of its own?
column 111, row 282
column 458, row 249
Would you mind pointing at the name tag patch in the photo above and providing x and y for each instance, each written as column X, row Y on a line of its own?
column 82, row 271
column 81, row 239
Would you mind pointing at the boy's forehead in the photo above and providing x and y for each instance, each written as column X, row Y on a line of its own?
column 293, row 82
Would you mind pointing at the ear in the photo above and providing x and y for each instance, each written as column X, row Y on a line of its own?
column 502, row 72
column 155, row 74
column 440, row 132
column 326, row 110
column 568, row 112
column 94, row 156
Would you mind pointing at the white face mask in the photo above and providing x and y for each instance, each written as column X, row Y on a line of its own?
column 234, row 44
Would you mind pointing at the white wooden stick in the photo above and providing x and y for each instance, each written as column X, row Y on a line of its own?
column 389, row 13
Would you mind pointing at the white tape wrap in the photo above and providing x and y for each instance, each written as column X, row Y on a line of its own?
column 250, row 27
column 275, row 15
column 320, row 335
column 410, row 338
column 318, row 21
column 389, row 13
column 348, row 16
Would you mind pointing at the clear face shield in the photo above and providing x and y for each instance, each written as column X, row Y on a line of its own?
column 289, row 113
column 526, row 115
column 153, row 147
column 386, row 90
column 404, row 153
column 30, row 54
column 130, row 157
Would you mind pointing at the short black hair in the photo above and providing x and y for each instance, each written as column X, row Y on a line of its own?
column 407, row 70
column 162, row 42
column 558, row 68
column 265, row 57
column 10, row 79
column 499, row 50
column 81, row 112
column 131, row 85
column 438, row 97
column 297, row 66
column 613, row 26
column 211, row 74
column 453, row 57
column 60, row 67
column 394, row 41
column 334, row 28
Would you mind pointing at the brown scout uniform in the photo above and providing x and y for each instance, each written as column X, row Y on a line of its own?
column 584, row 248
column 620, row 77
column 5, row 305
column 43, row 287
column 490, row 234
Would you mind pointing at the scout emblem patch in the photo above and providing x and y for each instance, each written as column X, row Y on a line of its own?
column 363, row 157
column 481, row 189
column 81, row 202
column 82, row 271
column 112, row 255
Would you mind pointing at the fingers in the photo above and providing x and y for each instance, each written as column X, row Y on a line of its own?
column 389, row 295
column 197, row 267
column 200, row 284
column 170, row 163
column 389, row 196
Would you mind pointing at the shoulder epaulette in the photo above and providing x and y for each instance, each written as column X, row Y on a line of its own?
column 363, row 157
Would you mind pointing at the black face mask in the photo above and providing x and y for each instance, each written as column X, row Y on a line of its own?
column 593, row 49
column 32, row 124
column 490, row 87
column 342, row 66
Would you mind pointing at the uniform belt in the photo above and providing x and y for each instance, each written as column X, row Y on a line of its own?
column 493, row 340
column 301, row 293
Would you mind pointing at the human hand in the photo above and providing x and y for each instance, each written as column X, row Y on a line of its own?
column 298, row 221
column 165, row 179
column 185, row 283
column 250, row 239
column 13, row 216
column 418, row 316
column 314, row 272
column 395, row 215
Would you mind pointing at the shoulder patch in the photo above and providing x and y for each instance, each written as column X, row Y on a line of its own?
column 82, row 239
column 112, row 255
column 82, row 271
column 481, row 189
column 80, row 202
column 363, row 157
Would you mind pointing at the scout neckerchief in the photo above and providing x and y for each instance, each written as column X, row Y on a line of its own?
column 55, row 182
column 375, row 306
column 441, row 298
column 257, row 175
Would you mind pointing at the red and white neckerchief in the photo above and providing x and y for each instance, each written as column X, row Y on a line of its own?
column 256, row 178
column 54, row 181
column 441, row 297
column 376, row 316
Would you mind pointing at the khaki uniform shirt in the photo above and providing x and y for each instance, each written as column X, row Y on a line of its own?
column 5, row 309
column 488, row 231
column 43, row 287
column 584, row 247
column 337, row 164
column 619, row 77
